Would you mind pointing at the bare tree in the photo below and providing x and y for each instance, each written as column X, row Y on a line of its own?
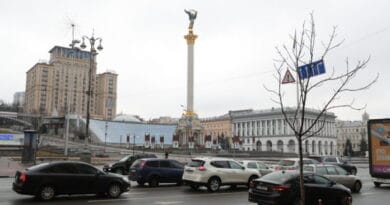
column 304, row 51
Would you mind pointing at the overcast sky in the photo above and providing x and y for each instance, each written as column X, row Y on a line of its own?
column 143, row 42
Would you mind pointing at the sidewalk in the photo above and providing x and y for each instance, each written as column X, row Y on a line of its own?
column 8, row 167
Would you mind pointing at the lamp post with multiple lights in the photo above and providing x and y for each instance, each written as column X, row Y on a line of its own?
column 93, row 52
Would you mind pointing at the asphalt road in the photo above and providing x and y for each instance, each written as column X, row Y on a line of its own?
column 176, row 195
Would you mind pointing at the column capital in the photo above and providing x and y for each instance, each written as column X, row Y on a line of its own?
column 190, row 37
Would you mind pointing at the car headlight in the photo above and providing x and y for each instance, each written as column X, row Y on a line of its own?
column 125, row 179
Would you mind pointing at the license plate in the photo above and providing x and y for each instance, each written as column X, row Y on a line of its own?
column 260, row 187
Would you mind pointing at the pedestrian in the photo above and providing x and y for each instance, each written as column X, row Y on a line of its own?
column 166, row 155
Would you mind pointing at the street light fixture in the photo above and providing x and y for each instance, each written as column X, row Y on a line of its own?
column 93, row 52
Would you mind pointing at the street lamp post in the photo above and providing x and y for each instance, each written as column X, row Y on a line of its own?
column 93, row 52
column 105, row 137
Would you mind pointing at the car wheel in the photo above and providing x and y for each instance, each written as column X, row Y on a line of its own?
column 141, row 183
column 251, row 179
column 46, row 192
column 357, row 186
column 119, row 171
column 194, row 187
column 114, row 190
column 213, row 184
column 353, row 171
column 154, row 182
column 377, row 184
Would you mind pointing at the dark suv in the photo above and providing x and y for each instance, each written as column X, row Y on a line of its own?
column 153, row 171
column 123, row 165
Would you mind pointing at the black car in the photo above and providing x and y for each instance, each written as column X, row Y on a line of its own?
column 282, row 188
column 47, row 180
column 350, row 168
column 153, row 171
column 123, row 165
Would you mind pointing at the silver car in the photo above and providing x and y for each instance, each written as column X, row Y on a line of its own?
column 337, row 174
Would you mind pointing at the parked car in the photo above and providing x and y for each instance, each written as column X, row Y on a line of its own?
column 282, row 188
column 350, row 168
column 154, row 171
column 123, row 165
column 257, row 165
column 337, row 174
column 292, row 163
column 215, row 172
column 47, row 180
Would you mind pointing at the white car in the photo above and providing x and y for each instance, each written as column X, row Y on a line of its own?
column 293, row 163
column 215, row 172
column 260, row 166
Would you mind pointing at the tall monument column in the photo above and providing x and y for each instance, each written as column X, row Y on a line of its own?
column 190, row 37
column 189, row 127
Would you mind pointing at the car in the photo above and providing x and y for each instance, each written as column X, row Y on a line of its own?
column 283, row 188
column 154, row 171
column 257, row 165
column 123, row 165
column 215, row 172
column 334, row 160
column 47, row 180
column 292, row 163
column 337, row 174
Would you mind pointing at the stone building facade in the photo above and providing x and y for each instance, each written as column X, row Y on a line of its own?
column 355, row 131
column 59, row 86
column 267, row 130
column 219, row 128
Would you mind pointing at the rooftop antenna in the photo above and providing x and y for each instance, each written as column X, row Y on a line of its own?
column 74, row 41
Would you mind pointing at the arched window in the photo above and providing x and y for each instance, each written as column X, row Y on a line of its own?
column 291, row 146
column 279, row 145
column 269, row 146
column 258, row 146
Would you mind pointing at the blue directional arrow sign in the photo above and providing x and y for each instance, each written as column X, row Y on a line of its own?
column 311, row 69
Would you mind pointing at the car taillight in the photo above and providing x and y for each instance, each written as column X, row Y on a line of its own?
column 280, row 188
column 142, row 164
column 23, row 177
column 276, row 168
column 202, row 168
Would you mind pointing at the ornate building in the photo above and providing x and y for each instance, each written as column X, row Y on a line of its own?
column 266, row 130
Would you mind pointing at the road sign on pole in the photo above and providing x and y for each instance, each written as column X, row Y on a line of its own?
column 311, row 69
column 288, row 78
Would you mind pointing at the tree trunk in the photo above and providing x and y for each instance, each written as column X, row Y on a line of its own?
column 301, row 182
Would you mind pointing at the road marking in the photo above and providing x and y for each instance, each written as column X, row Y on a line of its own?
column 107, row 200
column 169, row 202
column 367, row 193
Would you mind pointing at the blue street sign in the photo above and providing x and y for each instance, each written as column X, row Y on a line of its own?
column 6, row 137
column 312, row 69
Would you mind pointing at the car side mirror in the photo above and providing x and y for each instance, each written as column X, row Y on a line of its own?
column 242, row 168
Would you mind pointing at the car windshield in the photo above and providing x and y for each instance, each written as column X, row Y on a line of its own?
column 124, row 159
column 286, row 163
